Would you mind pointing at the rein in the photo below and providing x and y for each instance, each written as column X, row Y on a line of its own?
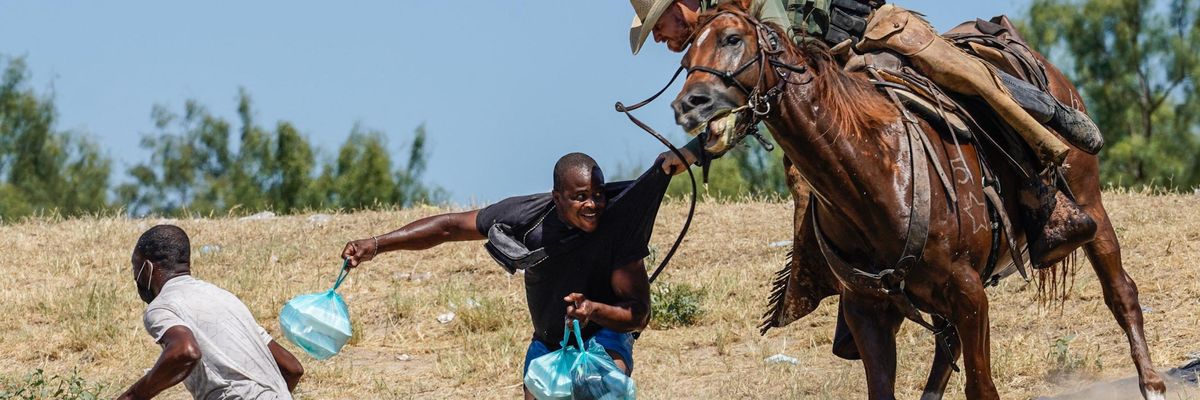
column 621, row 108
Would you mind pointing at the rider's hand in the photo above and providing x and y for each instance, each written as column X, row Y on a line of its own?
column 672, row 165
column 579, row 307
column 359, row 251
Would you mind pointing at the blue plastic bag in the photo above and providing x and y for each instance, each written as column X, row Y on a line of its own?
column 319, row 323
column 569, row 373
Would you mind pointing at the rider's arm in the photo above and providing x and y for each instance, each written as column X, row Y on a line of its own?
column 631, row 313
column 418, row 235
column 180, row 354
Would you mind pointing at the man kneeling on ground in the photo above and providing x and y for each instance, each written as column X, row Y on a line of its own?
column 580, row 246
column 210, row 340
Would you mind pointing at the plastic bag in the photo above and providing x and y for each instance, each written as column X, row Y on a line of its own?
column 319, row 323
column 569, row 373
column 597, row 377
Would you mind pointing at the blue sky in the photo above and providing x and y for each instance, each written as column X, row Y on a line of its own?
column 505, row 87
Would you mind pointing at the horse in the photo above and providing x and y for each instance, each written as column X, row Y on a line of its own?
column 857, row 153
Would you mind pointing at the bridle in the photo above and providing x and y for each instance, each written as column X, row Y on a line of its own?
column 758, row 98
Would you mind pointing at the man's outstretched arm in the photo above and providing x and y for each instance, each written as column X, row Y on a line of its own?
column 289, row 366
column 418, row 235
column 632, row 313
column 180, row 354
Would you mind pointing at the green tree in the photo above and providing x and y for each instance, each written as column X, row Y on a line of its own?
column 293, row 185
column 43, row 169
column 193, row 168
column 1136, row 63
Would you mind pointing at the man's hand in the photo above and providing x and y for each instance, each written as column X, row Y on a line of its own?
column 579, row 307
column 360, row 251
column 672, row 165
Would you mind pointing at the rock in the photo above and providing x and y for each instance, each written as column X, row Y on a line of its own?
column 781, row 243
column 319, row 218
column 471, row 303
column 446, row 318
column 210, row 249
column 404, row 357
column 782, row 359
column 258, row 217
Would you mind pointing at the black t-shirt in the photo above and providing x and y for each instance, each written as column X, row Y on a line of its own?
column 621, row 237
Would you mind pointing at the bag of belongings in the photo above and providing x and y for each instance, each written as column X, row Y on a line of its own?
column 572, row 373
column 319, row 323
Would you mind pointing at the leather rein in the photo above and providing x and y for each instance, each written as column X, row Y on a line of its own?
column 759, row 109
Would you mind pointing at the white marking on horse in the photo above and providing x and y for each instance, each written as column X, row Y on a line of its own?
column 703, row 36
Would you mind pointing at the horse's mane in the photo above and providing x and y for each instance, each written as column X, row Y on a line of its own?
column 851, row 103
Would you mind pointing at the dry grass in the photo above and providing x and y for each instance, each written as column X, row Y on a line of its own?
column 70, row 305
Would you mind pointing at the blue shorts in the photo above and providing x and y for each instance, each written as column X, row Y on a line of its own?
column 616, row 342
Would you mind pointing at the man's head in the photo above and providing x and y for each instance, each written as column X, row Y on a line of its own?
column 161, row 253
column 671, row 21
column 579, row 191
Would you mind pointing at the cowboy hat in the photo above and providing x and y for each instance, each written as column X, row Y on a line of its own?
column 646, row 13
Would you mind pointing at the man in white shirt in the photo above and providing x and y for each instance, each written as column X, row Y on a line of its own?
column 210, row 340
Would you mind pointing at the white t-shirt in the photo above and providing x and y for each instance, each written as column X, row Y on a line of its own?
column 235, row 362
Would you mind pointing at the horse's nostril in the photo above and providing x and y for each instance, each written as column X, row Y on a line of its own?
column 697, row 100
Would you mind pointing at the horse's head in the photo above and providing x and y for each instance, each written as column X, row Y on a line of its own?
column 727, row 74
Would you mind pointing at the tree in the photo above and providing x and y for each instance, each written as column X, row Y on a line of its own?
column 193, row 168
column 43, row 169
column 1136, row 63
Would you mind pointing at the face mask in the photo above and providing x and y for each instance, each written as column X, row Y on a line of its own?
column 144, row 292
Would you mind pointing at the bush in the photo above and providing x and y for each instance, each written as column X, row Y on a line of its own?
column 37, row 386
column 673, row 305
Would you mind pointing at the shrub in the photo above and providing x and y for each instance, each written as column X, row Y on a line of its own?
column 673, row 305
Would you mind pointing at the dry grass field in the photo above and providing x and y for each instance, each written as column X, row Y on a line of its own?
column 70, row 308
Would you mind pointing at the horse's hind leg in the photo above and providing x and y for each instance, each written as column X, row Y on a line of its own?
column 874, row 323
column 947, row 349
column 969, row 314
column 1121, row 296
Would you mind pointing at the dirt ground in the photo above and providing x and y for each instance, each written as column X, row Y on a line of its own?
column 70, row 307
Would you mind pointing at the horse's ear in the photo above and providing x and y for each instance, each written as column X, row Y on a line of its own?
column 744, row 4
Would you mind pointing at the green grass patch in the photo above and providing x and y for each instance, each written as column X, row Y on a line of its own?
column 38, row 385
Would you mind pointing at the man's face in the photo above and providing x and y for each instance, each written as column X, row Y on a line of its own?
column 675, row 25
column 581, row 199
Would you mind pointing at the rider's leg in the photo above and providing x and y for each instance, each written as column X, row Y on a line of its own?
column 902, row 31
column 1072, row 124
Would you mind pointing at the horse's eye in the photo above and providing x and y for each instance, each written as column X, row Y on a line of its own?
column 733, row 40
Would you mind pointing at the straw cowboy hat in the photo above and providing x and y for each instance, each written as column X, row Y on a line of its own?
column 646, row 13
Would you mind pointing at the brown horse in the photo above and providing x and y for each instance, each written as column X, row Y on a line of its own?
column 851, row 145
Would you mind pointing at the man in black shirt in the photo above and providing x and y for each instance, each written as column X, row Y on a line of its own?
column 581, row 248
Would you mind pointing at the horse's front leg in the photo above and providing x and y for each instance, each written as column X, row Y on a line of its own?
column 874, row 323
column 947, row 349
column 969, row 314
